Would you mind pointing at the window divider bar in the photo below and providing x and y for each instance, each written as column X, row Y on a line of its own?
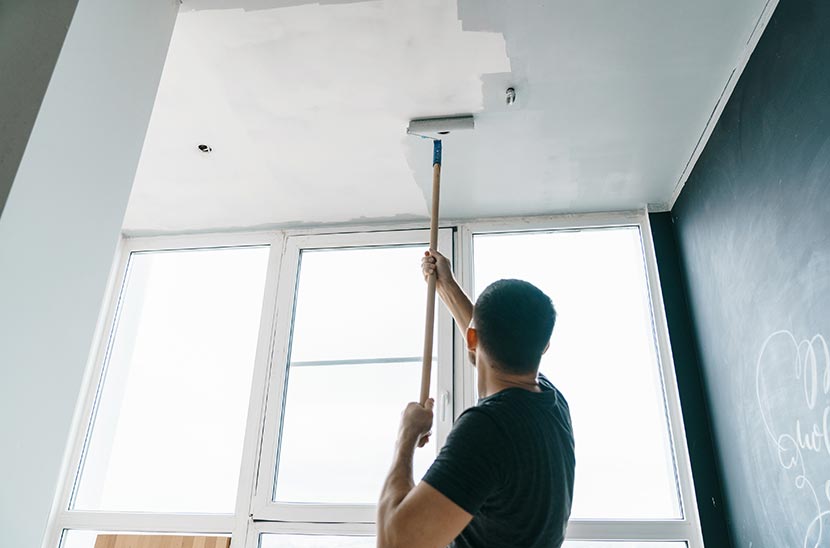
column 258, row 528
column 146, row 522
column 321, row 521
column 631, row 530
column 358, row 361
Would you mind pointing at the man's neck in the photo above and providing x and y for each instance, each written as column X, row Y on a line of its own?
column 497, row 380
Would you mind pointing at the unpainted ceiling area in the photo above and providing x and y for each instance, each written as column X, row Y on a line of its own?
column 305, row 107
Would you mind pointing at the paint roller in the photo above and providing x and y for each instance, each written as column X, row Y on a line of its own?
column 435, row 129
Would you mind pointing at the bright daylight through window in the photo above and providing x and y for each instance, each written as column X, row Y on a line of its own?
column 171, row 414
column 603, row 357
column 355, row 362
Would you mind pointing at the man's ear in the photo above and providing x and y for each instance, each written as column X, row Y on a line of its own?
column 472, row 338
column 546, row 347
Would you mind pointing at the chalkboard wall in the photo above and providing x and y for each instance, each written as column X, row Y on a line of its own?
column 696, row 413
column 753, row 229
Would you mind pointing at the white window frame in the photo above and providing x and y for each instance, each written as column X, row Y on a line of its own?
column 264, row 508
column 254, row 512
column 688, row 527
column 234, row 525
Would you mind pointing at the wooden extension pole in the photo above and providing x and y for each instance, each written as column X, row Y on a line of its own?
column 429, row 327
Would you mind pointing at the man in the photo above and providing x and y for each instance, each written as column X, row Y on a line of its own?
column 505, row 476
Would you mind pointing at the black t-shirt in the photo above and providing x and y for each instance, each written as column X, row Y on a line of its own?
column 509, row 461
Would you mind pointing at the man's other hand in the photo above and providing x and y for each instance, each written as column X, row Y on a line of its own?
column 435, row 263
column 416, row 422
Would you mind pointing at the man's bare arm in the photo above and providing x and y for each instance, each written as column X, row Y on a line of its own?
column 411, row 516
column 416, row 422
column 451, row 293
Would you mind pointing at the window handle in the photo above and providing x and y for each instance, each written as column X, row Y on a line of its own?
column 445, row 403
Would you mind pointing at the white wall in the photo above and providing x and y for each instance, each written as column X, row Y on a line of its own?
column 60, row 226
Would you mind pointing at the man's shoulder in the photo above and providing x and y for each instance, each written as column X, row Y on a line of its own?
column 514, row 407
column 483, row 415
column 548, row 386
column 545, row 384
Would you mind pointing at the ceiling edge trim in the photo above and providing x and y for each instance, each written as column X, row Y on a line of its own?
column 601, row 218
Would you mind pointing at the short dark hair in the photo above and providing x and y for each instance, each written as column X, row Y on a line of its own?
column 514, row 321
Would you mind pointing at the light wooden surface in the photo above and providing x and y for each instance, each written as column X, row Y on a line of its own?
column 426, row 365
column 160, row 541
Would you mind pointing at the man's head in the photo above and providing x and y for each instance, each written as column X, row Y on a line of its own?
column 512, row 324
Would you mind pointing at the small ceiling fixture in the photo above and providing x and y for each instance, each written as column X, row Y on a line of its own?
column 204, row 148
column 510, row 96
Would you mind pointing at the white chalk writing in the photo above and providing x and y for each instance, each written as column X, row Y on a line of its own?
column 810, row 359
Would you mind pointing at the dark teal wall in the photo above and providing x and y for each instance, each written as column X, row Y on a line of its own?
column 692, row 398
column 753, row 233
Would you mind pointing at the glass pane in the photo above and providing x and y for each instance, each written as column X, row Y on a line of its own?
column 339, row 431
column 359, row 303
column 603, row 357
column 360, row 312
column 315, row 541
column 86, row 539
column 171, row 415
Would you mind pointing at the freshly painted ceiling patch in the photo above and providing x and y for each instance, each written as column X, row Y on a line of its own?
column 309, row 104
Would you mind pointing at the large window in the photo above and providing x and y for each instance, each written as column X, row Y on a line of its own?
column 251, row 385
column 603, row 356
column 353, row 332
column 169, row 421
column 354, row 360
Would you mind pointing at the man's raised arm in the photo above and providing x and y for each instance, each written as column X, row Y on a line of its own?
column 458, row 303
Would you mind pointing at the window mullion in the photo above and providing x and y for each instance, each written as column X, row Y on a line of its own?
column 277, row 358
column 259, row 391
column 466, row 393
column 445, row 362
column 677, row 430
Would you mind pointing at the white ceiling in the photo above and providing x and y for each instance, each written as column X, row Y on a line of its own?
column 306, row 104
